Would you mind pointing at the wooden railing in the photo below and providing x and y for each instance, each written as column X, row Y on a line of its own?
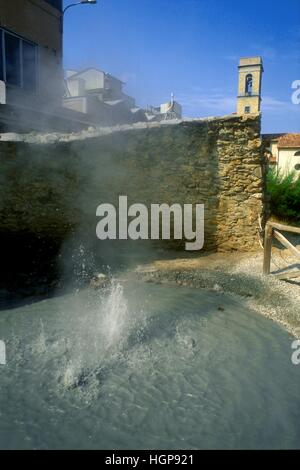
column 272, row 230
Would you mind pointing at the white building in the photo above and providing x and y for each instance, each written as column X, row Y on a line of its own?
column 171, row 110
column 165, row 112
column 100, row 95
column 284, row 152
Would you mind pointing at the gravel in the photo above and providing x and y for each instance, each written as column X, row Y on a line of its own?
column 237, row 275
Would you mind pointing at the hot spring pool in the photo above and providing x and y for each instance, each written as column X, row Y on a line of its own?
column 146, row 366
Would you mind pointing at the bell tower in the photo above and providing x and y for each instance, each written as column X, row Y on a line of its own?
column 250, row 79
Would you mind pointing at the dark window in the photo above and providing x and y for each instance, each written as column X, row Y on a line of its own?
column 18, row 61
column 297, row 154
column 249, row 84
column 297, row 167
column 13, row 59
column 1, row 55
column 29, row 66
column 55, row 3
column 247, row 110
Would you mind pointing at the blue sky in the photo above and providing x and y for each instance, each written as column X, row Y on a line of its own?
column 191, row 48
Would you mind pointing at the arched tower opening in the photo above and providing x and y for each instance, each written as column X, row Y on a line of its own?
column 249, row 84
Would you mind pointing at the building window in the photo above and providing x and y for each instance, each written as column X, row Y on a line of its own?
column 249, row 84
column 1, row 56
column 297, row 154
column 18, row 61
column 247, row 110
column 29, row 67
column 13, row 59
column 297, row 167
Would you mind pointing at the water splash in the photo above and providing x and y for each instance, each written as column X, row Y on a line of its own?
column 100, row 343
column 115, row 316
column 83, row 264
column 40, row 347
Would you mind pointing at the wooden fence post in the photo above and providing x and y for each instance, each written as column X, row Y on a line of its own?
column 268, row 248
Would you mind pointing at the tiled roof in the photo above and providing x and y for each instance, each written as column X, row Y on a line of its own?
column 289, row 141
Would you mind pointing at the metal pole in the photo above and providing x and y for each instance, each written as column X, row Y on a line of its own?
column 82, row 2
column 72, row 5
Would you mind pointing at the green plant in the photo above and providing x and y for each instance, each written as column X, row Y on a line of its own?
column 284, row 192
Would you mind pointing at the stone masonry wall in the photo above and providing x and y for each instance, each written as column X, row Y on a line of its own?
column 51, row 185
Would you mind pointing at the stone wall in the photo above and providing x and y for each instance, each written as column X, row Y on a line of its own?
column 52, row 185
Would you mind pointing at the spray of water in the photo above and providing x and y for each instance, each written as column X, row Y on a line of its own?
column 115, row 315
column 102, row 339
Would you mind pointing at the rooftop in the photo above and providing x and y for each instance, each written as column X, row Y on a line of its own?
column 289, row 141
column 74, row 74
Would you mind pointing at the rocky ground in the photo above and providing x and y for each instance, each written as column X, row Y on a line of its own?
column 238, row 274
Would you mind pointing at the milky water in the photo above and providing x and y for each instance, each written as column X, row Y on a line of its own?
column 146, row 366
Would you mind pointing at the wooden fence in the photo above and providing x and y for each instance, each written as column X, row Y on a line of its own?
column 272, row 231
